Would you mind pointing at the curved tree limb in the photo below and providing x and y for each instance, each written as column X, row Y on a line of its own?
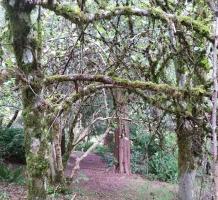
column 172, row 91
column 79, row 17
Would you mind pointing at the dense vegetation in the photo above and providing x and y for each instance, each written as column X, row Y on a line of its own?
column 133, row 81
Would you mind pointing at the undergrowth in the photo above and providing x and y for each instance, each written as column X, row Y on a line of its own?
column 10, row 175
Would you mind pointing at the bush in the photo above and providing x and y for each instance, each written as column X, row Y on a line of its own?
column 9, row 175
column 12, row 144
column 101, row 150
column 83, row 146
column 154, row 158
column 4, row 196
column 163, row 166
column 106, row 155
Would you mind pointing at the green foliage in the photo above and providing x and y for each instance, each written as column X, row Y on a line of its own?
column 9, row 101
column 83, row 146
column 153, row 157
column 105, row 153
column 163, row 166
column 9, row 175
column 58, row 189
column 4, row 196
column 101, row 150
column 12, row 144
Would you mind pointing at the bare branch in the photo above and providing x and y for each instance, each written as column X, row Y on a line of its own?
column 13, row 119
column 78, row 160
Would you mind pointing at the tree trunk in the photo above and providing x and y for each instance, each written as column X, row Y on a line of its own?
column 27, row 51
column 122, row 142
column 214, row 108
column 187, row 148
column 63, row 142
column 57, row 155
column 187, row 164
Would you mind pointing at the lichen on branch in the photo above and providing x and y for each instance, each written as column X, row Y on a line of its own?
column 171, row 91
column 77, row 16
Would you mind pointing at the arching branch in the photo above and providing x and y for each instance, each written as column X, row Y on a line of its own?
column 79, row 17
column 171, row 91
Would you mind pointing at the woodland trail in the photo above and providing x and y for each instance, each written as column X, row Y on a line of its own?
column 96, row 181
column 95, row 175
column 101, row 182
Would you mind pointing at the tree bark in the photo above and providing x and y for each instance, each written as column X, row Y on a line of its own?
column 122, row 142
column 189, row 140
column 13, row 119
column 214, row 108
column 186, row 162
column 57, row 154
column 27, row 50
column 63, row 142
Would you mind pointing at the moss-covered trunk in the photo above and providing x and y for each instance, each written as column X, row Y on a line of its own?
column 26, row 44
column 186, row 161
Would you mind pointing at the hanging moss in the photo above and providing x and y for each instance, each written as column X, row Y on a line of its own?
column 203, row 29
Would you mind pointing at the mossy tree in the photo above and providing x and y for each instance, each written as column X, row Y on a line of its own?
column 157, row 51
column 26, row 46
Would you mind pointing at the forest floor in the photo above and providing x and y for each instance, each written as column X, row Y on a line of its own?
column 95, row 181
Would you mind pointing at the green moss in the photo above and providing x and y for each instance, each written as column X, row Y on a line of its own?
column 127, row 9
column 204, row 63
column 157, row 13
column 37, row 165
column 199, row 91
column 170, row 90
column 198, row 25
column 186, row 158
column 72, row 13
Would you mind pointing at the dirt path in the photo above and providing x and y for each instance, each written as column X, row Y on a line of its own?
column 95, row 181
column 100, row 182
column 96, row 174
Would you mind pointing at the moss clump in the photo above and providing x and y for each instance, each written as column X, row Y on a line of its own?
column 197, row 25
column 74, row 14
column 157, row 13
column 198, row 91
column 127, row 9
column 204, row 63
column 37, row 165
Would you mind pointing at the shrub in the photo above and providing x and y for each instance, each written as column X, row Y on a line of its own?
column 101, row 150
column 154, row 158
column 4, row 196
column 163, row 166
column 83, row 146
column 12, row 144
column 106, row 155
column 9, row 175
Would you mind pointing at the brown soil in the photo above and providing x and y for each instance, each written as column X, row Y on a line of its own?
column 12, row 191
column 100, row 182
column 95, row 181
column 98, row 177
